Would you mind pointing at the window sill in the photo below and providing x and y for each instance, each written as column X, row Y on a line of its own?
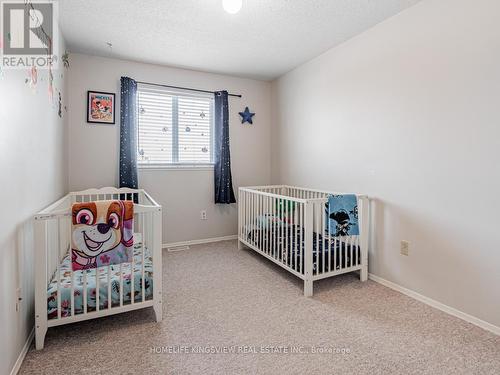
column 176, row 167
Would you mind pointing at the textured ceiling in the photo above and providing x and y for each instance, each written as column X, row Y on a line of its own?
column 266, row 39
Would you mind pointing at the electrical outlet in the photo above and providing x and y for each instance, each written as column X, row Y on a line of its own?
column 18, row 299
column 405, row 247
column 203, row 215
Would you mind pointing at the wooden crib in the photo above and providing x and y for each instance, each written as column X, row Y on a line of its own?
column 54, row 278
column 301, row 244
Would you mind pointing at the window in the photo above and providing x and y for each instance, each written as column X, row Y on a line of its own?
column 175, row 128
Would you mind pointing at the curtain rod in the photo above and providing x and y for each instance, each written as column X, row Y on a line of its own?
column 183, row 88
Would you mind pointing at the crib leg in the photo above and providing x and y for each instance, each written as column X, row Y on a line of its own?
column 241, row 245
column 40, row 332
column 308, row 288
column 158, row 307
column 363, row 273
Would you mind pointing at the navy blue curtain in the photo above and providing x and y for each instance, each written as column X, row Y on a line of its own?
column 223, row 181
column 128, row 133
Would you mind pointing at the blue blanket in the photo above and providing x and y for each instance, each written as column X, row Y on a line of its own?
column 342, row 215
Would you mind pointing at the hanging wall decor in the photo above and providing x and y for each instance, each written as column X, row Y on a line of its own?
column 59, row 107
column 246, row 116
column 100, row 107
column 65, row 59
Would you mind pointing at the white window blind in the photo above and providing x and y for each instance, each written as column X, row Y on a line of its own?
column 174, row 128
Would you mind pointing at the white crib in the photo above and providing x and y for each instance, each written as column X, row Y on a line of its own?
column 52, row 245
column 302, row 246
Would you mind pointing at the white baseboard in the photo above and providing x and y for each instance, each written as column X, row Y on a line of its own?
column 438, row 305
column 198, row 242
column 25, row 349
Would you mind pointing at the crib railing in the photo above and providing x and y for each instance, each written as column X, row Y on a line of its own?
column 288, row 224
column 53, row 239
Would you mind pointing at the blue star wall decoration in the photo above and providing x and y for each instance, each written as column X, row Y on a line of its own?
column 246, row 116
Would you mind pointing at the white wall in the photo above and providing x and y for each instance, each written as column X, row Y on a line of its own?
column 409, row 112
column 33, row 174
column 93, row 158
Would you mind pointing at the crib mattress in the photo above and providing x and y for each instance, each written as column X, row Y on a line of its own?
column 327, row 254
column 65, row 285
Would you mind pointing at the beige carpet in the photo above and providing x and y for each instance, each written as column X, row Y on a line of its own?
column 217, row 296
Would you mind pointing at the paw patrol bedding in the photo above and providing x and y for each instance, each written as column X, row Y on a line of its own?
column 101, row 233
column 65, row 284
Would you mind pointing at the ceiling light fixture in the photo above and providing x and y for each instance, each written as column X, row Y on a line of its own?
column 232, row 6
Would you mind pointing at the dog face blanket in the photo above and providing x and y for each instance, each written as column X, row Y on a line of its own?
column 342, row 215
column 102, row 233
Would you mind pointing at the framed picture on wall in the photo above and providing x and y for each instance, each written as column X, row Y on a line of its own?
column 100, row 107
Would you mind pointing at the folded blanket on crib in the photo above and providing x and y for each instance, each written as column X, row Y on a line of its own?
column 342, row 215
column 101, row 233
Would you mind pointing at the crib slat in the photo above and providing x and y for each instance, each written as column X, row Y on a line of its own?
column 267, row 216
column 346, row 244
column 358, row 250
column 353, row 244
column 249, row 218
column 97, row 290
column 335, row 253
column 132, row 278
column 288, row 237
column 239, row 213
column 282, row 231
column 121, row 284
column 257, row 221
column 273, row 226
column 143, row 246
column 72, row 293
column 58, row 269
column 58, row 291
column 323, row 234
column 266, row 225
column 252, row 218
column 240, row 208
column 330, row 246
column 356, row 241
column 285, row 227
column 244, row 227
column 84, row 291
column 270, row 226
column 351, row 264
column 265, row 229
column 343, row 253
column 316, row 209
column 259, row 218
column 278, row 228
column 296, row 244
column 301, row 239
column 109, row 287
column 262, row 228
